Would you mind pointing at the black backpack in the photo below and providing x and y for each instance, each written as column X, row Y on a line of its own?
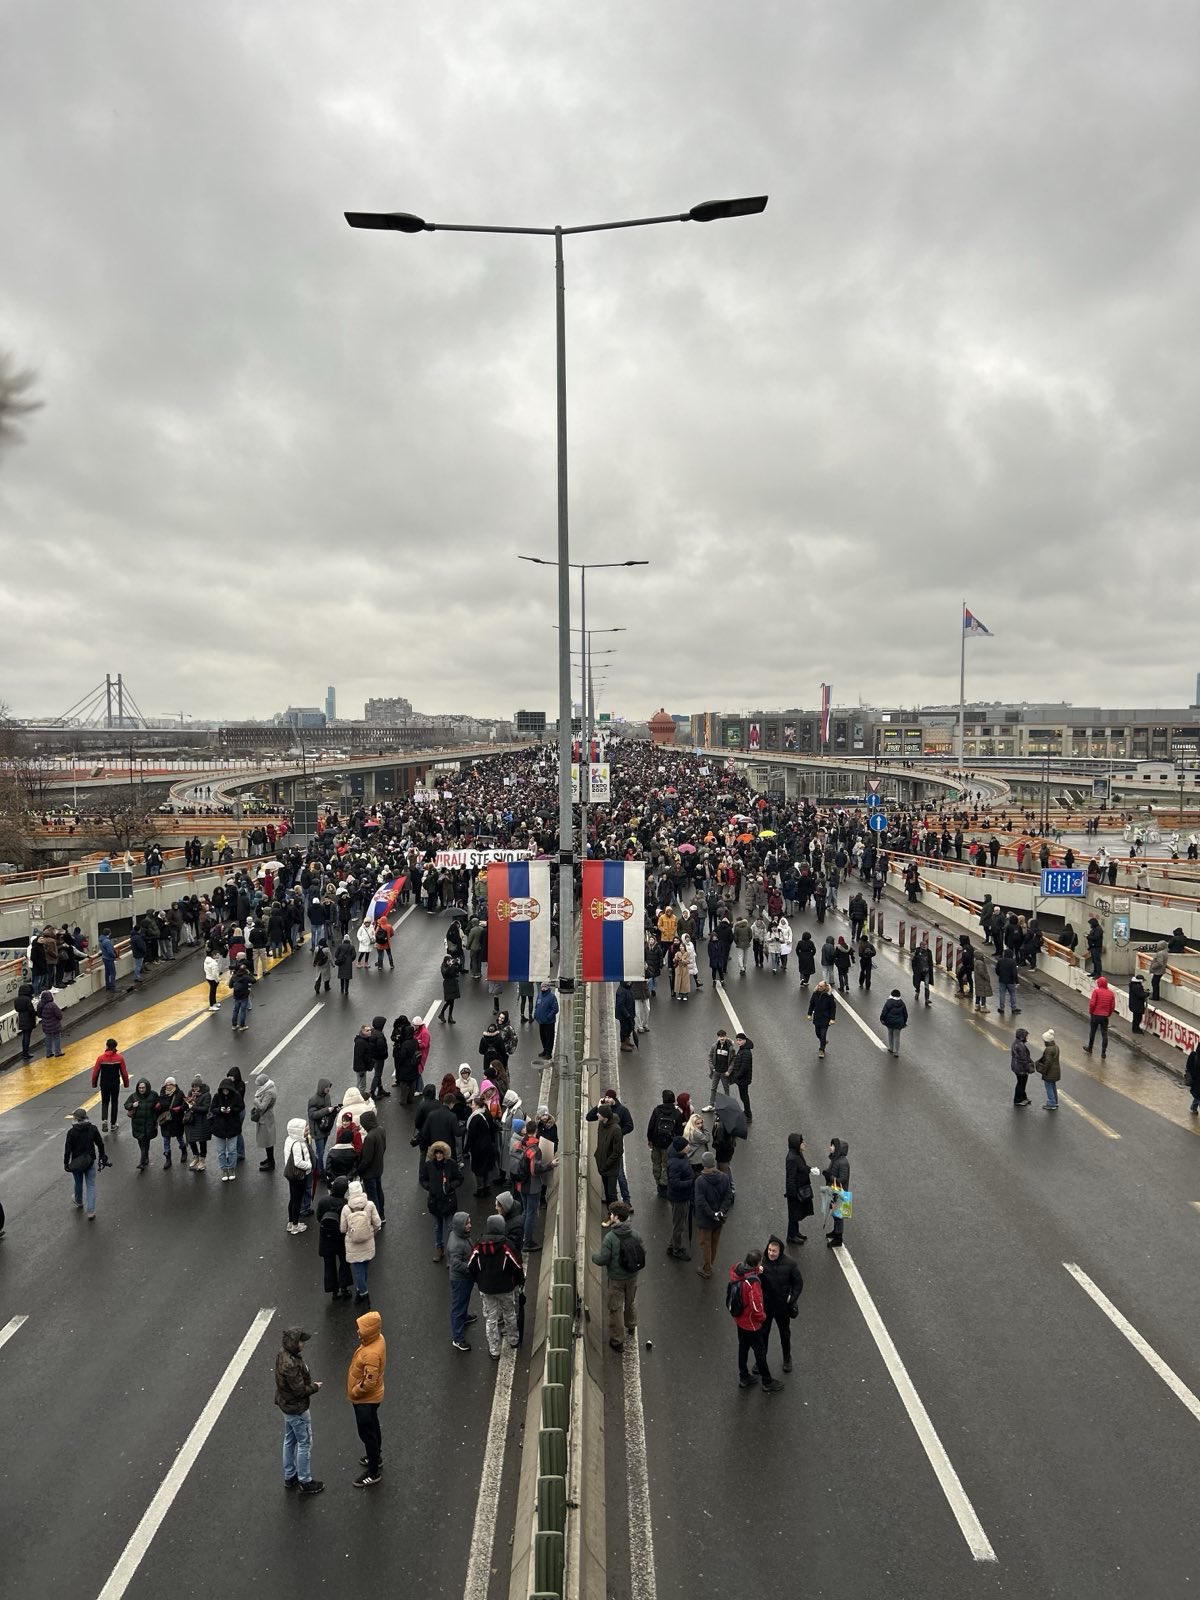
column 631, row 1253
column 664, row 1127
column 735, row 1297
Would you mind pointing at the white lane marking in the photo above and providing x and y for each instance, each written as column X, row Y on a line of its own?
column 131, row 1557
column 188, row 1027
column 10, row 1327
column 1147, row 1352
column 483, row 1534
column 844, row 1001
column 1103, row 1127
column 729, row 1011
column 956, row 1496
column 289, row 1036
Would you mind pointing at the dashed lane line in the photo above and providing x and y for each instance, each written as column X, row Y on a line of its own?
column 13, row 1325
column 1088, row 1116
column 1147, row 1351
column 862, row 1023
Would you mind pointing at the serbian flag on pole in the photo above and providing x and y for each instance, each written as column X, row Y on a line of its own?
column 518, row 921
column 614, row 921
column 385, row 898
column 972, row 624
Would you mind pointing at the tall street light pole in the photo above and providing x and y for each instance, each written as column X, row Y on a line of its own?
column 406, row 222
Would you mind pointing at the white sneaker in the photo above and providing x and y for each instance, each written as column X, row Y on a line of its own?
column 214, row 1008
column 292, row 1228
column 301, row 1227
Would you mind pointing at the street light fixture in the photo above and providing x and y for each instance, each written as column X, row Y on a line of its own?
column 408, row 222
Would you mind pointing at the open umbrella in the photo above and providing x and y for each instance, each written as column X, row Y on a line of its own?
column 731, row 1114
column 745, row 838
column 766, row 833
column 687, row 849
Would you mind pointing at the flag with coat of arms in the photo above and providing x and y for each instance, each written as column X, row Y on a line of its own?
column 613, row 939
column 972, row 624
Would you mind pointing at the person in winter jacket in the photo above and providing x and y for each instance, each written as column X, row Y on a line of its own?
column 331, row 1241
column 741, row 1071
column 822, row 1009
column 744, row 1297
column 479, row 1145
column 782, row 1286
column 370, row 1160
column 364, row 1390
column 922, row 972
column 1137, row 1002
column 111, row 1073
column 1050, row 1067
column 497, row 1268
column 322, row 1116
column 837, row 1180
column 1191, row 1076
column 1095, row 944
column 225, row 1121
column 241, row 981
column 806, row 958
column 143, row 1120
column 170, row 1108
column 212, row 976
column 894, row 1018
column 458, row 1259
column 294, row 1388
column 343, row 960
column 622, row 1255
column 610, row 1146
column 341, row 1157
column 196, row 1122
column 742, row 936
column 712, row 1197
column 27, row 1018
column 720, row 1063
column 83, row 1155
column 370, row 1053
column 440, row 1178
column 406, row 1060
column 1101, row 1006
column 680, row 1187
column 982, row 980
column 359, row 1223
column 625, row 1011
column 297, row 1170
column 865, row 954
column 49, row 1014
column 451, row 989
column 262, row 1115
column 695, row 1131
column 664, row 1126
column 797, row 1188
column 1021, row 1063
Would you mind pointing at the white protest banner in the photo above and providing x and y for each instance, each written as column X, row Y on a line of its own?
column 474, row 859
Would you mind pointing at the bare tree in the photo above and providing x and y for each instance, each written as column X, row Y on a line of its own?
column 16, row 403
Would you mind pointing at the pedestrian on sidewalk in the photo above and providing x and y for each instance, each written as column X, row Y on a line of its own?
column 1137, row 1002
column 440, row 1177
column 545, row 1014
column 1095, row 944
column 27, row 1018
column 1191, row 1076
column 922, row 972
column 713, row 1196
column 622, row 1255
column 625, row 1011
column 108, row 955
column 458, row 1259
column 822, row 1009
column 983, row 982
column 680, row 1188
column 83, row 1156
column 837, row 1180
column 141, row 1107
column 331, row 1242
column 111, row 1073
column 297, row 1169
column 782, row 1286
column 1101, row 1006
column 1050, row 1067
column 894, row 1018
column 49, row 1014
column 744, row 1300
column 1007, row 980
column 663, row 1128
column 294, row 1388
column 1021, row 1063
column 610, row 1147
column 741, row 1072
column 364, row 1390
column 797, row 1188
column 498, row 1270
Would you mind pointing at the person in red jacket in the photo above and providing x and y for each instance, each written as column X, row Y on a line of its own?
column 744, row 1298
column 110, row 1072
column 1100, row 1008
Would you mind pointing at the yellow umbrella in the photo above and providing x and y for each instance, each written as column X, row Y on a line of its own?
column 767, row 833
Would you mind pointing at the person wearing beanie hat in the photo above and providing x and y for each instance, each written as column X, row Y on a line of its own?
column 1050, row 1067
column 83, row 1155
column 712, row 1198
column 496, row 1267
column 331, row 1242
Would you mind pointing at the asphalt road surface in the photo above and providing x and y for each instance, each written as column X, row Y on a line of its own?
column 1069, row 1459
column 133, row 1320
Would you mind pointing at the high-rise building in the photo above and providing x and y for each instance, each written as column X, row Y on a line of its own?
column 330, row 703
column 384, row 711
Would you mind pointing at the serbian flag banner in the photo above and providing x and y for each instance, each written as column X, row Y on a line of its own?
column 385, row 898
column 518, row 921
column 614, row 921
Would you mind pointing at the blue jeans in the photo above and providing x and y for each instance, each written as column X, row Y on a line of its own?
column 1051, row 1092
column 530, row 1201
column 440, row 1227
column 138, row 963
column 110, row 974
column 241, row 1010
column 53, row 1045
column 88, row 1178
column 623, row 1182
column 359, row 1272
column 297, row 1447
column 227, row 1153
column 1009, row 990
column 460, row 1301
column 167, row 1137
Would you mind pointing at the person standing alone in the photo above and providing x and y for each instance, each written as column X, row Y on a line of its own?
column 111, row 1073
column 623, row 1256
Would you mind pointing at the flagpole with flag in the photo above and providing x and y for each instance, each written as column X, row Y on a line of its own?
column 970, row 625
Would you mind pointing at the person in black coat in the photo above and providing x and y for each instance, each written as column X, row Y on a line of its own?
column 782, row 1286
column 1191, row 1075
column 797, row 1188
column 449, row 969
column 83, row 1154
column 479, row 1145
column 741, row 1071
column 894, row 1017
column 406, row 1060
column 26, row 1012
column 822, row 1008
column 331, row 1241
column 838, row 1171
column 680, row 1187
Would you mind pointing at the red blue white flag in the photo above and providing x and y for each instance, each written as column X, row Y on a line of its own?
column 518, row 921
column 385, row 898
column 972, row 624
column 614, row 921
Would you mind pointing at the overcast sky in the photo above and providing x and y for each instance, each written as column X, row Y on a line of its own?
column 956, row 356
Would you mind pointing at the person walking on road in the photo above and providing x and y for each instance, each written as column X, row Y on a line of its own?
column 1021, row 1062
column 458, row 1259
column 545, row 1014
column 744, row 1299
column 1101, row 1006
column 1050, row 1067
column 111, row 1073
column 806, row 958
column 610, row 1147
column 294, row 1388
column 83, row 1156
column 922, row 972
column 141, row 1107
column 364, row 1390
column 797, row 1188
column 331, row 1242
column 170, row 1108
column 713, row 1196
column 741, row 1072
column 681, row 1184
column 622, row 1255
column 663, row 1128
column 297, row 1169
column 822, row 1009
column 837, row 1180
column 498, row 1270
column 782, row 1285
column 894, row 1018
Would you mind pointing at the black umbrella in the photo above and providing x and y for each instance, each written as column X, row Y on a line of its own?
column 731, row 1114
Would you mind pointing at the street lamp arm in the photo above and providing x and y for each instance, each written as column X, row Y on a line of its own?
column 632, row 222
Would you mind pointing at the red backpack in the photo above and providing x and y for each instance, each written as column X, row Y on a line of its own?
column 527, row 1156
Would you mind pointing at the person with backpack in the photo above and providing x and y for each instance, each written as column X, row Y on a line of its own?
column 782, row 1285
column 664, row 1126
column 894, row 1018
column 622, row 1255
column 83, row 1156
column 922, row 972
column 866, row 953
column 297, row 1169
column 440, row 1177
column 712, row 1197
column 331, row 1242
column 498, row 1270
column 720, row 1061
column 741, row 1071
column 359, row 1222
column 744, row 1302
column 680, row 1189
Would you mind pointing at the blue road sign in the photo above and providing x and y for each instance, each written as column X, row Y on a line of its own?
column 1069, row 882
column 877, row 822
column 873, row 800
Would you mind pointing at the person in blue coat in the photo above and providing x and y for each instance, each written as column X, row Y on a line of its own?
column 545, row 1014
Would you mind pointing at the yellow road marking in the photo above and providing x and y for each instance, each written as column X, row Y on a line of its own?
column 188, row 1027
column 1101, row 1127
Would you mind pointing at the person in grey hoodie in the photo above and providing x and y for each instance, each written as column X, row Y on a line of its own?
column 458, row 1255
column 1021, row 1063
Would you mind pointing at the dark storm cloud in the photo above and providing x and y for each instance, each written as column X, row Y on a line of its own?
column 953, row 357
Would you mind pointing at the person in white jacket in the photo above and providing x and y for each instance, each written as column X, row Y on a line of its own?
column 365, row 939
column 212, row 973
column 360, row 1223
column 297, row 1169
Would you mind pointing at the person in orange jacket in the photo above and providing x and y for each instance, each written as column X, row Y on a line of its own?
column 364, row 1390
column 111, row 1073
